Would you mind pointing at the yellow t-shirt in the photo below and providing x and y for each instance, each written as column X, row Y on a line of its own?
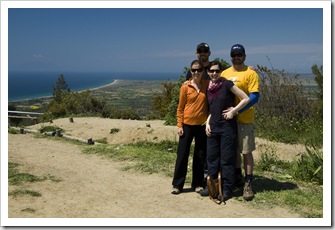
column 248, row 81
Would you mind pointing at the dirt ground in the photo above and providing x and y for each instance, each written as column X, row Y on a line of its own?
column 94, row 187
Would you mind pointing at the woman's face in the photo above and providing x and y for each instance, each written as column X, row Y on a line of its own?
column 196, row 71
column 214, row 72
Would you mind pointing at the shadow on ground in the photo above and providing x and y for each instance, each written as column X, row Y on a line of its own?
column 261, row 184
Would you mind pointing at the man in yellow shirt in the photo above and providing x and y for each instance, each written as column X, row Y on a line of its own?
column 247, row 80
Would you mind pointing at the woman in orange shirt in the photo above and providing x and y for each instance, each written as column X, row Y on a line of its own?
column 192, row 113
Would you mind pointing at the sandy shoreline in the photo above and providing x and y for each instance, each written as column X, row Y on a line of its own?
column 101, row 87
column 49, row 97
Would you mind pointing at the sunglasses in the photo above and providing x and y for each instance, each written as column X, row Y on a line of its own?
column 203, row 51
column 236, row 55
column 199, row 70
column 214, row 70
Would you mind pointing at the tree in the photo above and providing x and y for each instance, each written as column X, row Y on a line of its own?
column 160, row 102
column 318, row 72
column 60, row 87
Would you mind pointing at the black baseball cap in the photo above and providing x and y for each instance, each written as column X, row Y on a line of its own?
column 203, row 45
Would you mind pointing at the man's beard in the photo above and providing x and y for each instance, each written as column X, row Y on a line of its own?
column 237, row 61
column 203, row 59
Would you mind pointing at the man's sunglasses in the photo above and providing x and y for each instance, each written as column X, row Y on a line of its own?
column 236, row 55
column 203, row 51
column 199, row 70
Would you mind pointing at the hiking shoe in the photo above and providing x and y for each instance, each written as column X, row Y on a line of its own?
column 204, row 192
column 248, row 194
column 175, row 191
column 198, row 189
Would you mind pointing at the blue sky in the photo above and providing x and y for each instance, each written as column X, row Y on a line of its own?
column 160, row 39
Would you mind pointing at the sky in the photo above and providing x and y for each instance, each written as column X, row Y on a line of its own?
column 161, row 39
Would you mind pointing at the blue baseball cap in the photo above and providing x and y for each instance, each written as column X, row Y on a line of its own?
column 237, row 48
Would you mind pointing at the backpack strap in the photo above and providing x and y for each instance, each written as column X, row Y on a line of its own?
column 220, row 188
column 218, row 183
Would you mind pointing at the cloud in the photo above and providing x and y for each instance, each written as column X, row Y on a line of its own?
column 38, row 55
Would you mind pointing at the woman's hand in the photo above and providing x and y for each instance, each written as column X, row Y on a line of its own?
column 180, row 132
column 228, row 113
column 208, row 130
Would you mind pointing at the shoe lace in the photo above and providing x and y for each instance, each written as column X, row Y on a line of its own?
column 247, row 187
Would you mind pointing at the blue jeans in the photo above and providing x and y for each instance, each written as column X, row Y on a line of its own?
column 221, row 154
column 199, row 156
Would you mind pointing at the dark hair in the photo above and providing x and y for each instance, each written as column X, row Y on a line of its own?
column 196, row 62
column 215, row 63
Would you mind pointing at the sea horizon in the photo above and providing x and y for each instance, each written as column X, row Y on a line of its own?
column 31, row 85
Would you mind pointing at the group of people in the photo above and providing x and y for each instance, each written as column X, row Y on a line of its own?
column 216, row 110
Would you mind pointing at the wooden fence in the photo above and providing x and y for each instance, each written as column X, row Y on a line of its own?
column 24, row 115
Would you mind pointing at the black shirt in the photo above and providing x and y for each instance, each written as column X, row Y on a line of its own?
column 220, row 99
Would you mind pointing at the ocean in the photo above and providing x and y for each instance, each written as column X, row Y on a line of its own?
column 28, row 85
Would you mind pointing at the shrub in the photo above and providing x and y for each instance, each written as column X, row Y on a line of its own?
column 285, row 110
column 49, row 129
column 114, row 130
column 309, row 166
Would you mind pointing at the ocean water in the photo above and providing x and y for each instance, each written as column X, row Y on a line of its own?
column 22, row 85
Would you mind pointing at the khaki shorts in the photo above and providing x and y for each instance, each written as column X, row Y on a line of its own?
column 245, row 138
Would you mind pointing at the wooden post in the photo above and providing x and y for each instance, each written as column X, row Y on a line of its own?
column 71, row 119
column 58, row 133
column 22, row 131
column 90, row 141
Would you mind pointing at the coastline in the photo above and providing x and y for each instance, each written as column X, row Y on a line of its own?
column 102, row 87
column 49, row 97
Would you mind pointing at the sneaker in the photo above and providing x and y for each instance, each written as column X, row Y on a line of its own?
column 227, row 196
column 204, row 192
column 175, row 191
column 198, row 189
column 248, row 194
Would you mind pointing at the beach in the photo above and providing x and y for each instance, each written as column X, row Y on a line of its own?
column 102, row 87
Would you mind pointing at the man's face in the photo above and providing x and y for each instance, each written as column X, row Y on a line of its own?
column 203, row 54
column 237, row 58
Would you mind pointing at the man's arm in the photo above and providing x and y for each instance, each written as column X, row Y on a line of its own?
column 253, row 100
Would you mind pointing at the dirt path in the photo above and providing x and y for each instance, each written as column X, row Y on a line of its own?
column 92, row 186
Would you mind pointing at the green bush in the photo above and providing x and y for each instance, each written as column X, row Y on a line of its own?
column 309, row 167
column 49, row 129
column 285, row 111
column 114, row 130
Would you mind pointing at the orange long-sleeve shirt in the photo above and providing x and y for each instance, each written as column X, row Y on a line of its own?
column 193, row 106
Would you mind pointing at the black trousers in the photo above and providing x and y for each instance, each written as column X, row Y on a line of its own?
column 221, row 154
column 199, row 156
